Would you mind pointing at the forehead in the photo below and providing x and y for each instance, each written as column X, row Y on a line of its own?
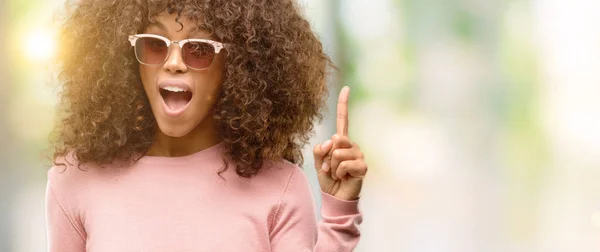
column 172, row 23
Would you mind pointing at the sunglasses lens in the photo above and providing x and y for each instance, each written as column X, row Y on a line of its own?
column 151, row 50
column 198, row 55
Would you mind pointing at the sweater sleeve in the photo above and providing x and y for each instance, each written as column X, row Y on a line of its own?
column 295, row 227
column 64, row 232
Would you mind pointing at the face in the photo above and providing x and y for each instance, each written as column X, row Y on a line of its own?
column 181, row 97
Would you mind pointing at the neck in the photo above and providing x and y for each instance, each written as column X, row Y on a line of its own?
column 202, row 137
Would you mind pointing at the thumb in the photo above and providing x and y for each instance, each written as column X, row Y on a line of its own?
column 319, row 152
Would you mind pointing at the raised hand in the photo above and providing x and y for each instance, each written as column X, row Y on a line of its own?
column 340, row 164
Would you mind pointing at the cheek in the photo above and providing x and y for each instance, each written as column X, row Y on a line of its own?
column 210, row 84
column 146, row 76
column 208, row 90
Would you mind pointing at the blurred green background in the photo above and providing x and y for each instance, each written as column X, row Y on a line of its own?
column 479, row 119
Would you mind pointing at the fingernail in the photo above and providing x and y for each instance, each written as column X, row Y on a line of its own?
column 346, row 89
column 325, row 167
column 326, row 145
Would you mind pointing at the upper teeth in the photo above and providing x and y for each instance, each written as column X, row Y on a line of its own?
column 174, row 89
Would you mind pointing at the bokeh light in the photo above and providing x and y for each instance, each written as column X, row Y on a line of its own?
column 39, row 46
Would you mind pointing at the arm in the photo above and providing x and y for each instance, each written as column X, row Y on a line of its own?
column 294, row 226
column 64, row 232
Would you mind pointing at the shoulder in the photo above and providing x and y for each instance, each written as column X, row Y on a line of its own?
column 296, row 203
column 293, row 182
column 64, row 183
column 64, row 171
column 68, row 176
column 278, row 177
column 283, row 171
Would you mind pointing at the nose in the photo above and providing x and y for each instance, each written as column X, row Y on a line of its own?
column 174, row 62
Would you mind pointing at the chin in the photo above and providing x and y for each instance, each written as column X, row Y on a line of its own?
column 175, row 131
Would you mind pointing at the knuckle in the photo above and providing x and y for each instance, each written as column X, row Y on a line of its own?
column 346, row 141
column 342, row 168
column 337, row 154
column 336, row 138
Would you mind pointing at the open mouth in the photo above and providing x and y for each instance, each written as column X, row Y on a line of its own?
column 176, row 98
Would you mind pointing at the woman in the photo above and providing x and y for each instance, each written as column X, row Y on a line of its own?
column 181, row 129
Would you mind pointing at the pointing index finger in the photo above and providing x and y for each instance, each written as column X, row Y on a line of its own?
column 342, row 112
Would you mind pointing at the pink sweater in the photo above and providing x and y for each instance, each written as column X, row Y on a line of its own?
column 177, row 204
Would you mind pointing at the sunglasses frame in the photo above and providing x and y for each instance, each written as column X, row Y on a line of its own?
column 218, row 46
